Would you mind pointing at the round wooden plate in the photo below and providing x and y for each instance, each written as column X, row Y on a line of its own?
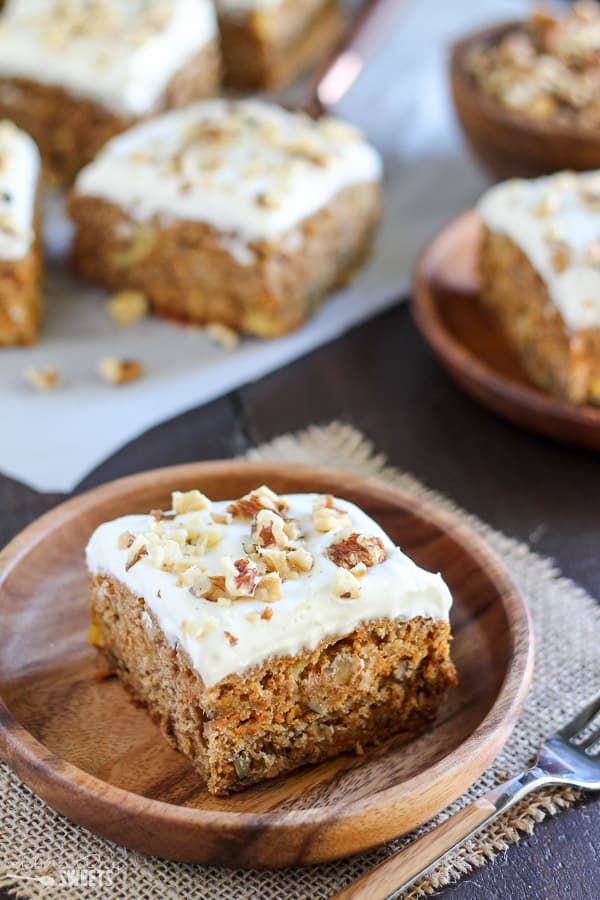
column 471, row 348
column 89, row 752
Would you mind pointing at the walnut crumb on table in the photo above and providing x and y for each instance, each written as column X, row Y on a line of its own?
column 43, row 379
column 127, row 307
column 221, row 334
column 119, row 371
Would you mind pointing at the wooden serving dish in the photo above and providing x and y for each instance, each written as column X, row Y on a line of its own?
column 508, row 143
column 84, row 747
column 472, row 349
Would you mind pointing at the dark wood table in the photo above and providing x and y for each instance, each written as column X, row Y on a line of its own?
column 382, row 379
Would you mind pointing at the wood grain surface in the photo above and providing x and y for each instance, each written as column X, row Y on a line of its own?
column 507, row 143
column 529, row 487
column 473, row 350
column 86, row 749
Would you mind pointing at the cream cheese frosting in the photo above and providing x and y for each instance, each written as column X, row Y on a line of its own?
column 243, row 167
column 121, row 55
column 322, row 586
column 555, row 221
column 19, row 170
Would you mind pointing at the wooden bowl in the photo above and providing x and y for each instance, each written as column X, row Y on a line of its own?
column 508, row 143
column 94, row 756
column 472, row 349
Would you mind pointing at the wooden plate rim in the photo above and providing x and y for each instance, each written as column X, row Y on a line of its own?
column 18, row 744
column 471, row 369
column 492, row 109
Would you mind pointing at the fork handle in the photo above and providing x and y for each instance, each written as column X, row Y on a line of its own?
column 403, row 868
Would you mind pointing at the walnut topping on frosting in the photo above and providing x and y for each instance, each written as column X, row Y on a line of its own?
column 274, row 549
column 357, row 549
column 345, row 585
column 326, row 517
column 268, row 529
column 137, row 550
column 251, row 504
column 270, row 589
column 241, row 577
column 125, row 540
column 190, row 501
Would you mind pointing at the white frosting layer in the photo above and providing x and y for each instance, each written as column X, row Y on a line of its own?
column 19, row 171
column 555, row 221
column 308, row 611
column 246, row 167
column 118, row 54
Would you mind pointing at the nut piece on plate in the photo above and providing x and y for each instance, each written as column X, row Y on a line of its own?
column 127, row 307
column 119, row 371
column 43, row 379
column 221, row 334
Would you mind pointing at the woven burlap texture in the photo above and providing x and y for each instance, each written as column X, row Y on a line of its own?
column 44, row 855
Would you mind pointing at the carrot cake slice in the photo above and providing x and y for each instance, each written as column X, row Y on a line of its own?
column 75, row 73
column 237, row 212
column 20, row 254
column 268, row 43
column 269, row 631
column 540, row 272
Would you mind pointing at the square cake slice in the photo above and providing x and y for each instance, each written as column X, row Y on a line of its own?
column 20, row 253
column 234, row 212
column 270, row 631
column 73, row 74
column 266, row 44
column 540, row 277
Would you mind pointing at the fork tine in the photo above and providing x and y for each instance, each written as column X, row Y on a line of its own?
column 583, row 718
column 591, row 740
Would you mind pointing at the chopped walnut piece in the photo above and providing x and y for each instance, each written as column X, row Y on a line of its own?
column 268, row 530
column 43, row 379
column 345, row 585
column 267, row 613
column 252, row 617
column 136, row 552
column 222, row 518
column 354, row 549
column 241, row 576
column 231, row 638
column 327, row 517
column 125, row 540
column 119, row 371
column 250, row 505
column 209, row 587
column 127, row 307
column 162, row 515
column 300, row 560
column 189, row 501
column 221, row 334
column 270, row 588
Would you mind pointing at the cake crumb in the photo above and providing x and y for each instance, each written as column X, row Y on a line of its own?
column 43, row 379
column 127, row 307
column 119, row 371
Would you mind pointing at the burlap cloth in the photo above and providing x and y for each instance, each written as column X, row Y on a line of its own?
column 44, row 855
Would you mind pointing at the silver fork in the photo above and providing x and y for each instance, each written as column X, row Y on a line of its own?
column 570, row 757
